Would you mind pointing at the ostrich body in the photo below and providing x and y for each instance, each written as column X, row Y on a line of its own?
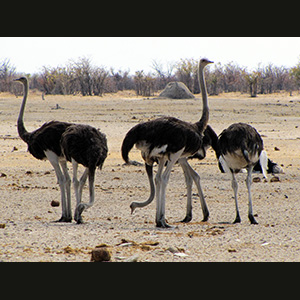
column 85, row 145
column 167, row 140
column 210, row 139
column 45, row 143
column 240, row 146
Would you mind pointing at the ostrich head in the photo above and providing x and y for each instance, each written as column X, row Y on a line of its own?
column 205, row 61
column 21, row 79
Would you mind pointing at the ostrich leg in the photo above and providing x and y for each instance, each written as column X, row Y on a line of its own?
column 162, row 180
column 54, row 160
column 248, row 182
column 78, row 187
column 82, row 206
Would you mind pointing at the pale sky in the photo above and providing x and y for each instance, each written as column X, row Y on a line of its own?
column 30, row 54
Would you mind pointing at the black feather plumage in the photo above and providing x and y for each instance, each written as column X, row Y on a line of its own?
column 174, row 133
column 47, row 137
column 85, row 144
column 240, row 136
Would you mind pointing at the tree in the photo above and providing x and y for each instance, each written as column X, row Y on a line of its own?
column 121, row 80
column 98, row 80
column 7, row 72
column 144, row 84
column 82, row 70
column 295, row 76
column 213, row 79
column 164, row 76
column 252, row 79
column 187, row 73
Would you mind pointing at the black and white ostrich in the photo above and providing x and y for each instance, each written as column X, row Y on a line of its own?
column 241, row 146
column 167, row 140
column 210, row 138
column 251, row 155
column 85, row 145
column 45, row 143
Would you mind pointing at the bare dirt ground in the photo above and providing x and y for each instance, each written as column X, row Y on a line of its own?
column 27, row 186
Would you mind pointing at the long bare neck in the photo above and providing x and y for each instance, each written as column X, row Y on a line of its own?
column 23, row 133
column 205, row 110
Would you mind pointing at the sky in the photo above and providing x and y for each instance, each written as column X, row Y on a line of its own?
column 30, row 54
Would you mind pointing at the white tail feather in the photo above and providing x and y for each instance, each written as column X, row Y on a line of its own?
column 263, row 160
column 224, row 164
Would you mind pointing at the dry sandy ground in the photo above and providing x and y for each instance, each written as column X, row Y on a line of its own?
column 28, row 186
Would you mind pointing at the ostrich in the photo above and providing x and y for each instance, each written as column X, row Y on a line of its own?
column 167, row 140
column 210, row 138
column 240, row 146
column 85, row 145
column 45, row 143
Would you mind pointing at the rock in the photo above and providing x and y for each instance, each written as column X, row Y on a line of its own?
column 275, row 179
column 180, row 254
column 133, row 258
column 70, row 250
column 231, row 250
column 57, row 107
column 276, row 149
column 256, row 179
column 54, row 203
column 3, row 175
column 100, row 254
column 2, row 225
column 177, row 252
column 172, row 250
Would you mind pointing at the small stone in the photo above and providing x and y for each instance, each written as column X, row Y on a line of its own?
column 256, row 179
column 172, row 250
column 275, row 179
column 231, row 250
column 133, row 258
column 180, row 254
column 54, row 203
column 2, row 225
column 276, row 149
column 70, row 250
column 100, row 254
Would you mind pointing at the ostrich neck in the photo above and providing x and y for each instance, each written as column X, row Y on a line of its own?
column 205, row 111
column 21, row 128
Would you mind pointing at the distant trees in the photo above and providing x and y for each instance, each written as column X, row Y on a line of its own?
column 81, row 76
column 78, row 76
column 7, row 72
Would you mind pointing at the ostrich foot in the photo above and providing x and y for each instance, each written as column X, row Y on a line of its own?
column 252, row 220
column 187, row 219
column 205, row 216
column 78, row 211
column 79, row 220
column 64, row 219
column 163, row 224
column 238, row 219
